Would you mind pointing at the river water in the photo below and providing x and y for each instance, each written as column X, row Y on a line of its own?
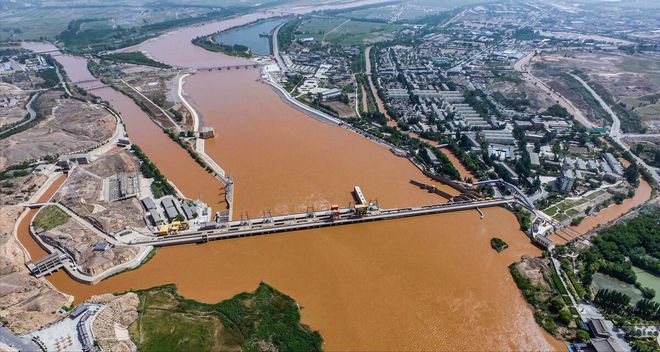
column 250, row 36
column 170, row 158
column 613, row 212
column 421, row 283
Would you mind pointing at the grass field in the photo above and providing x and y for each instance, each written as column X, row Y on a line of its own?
column 49, row 218
column 570, row 208
column 647, row 107
column 450, row 3
column 346, row 32
column 248, row 321
column 375, row 13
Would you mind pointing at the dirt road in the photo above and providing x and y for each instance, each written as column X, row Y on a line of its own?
column 521, row 66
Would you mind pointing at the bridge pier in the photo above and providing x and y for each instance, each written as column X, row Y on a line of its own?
column 301, row 221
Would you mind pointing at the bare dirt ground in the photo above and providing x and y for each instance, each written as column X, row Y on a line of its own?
column 161, row 87
column 78, row 241
column 24, row 80
column 621, row 74
column 26, row 303
column 538, row 100
column 19, row 189
column 534, row 269
column 110, row 327
column 633, row 80
column 342, row 109
column 12, row 104
column 82, row 193
column 537, row 271
column 69, row 125
column 555, row 77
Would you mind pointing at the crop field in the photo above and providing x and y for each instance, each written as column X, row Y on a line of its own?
column 50, row 217
column 33, row 24
column 343, row 31
column 375, row 13
column 37, row 19
column 38, row 23
column 445, row 4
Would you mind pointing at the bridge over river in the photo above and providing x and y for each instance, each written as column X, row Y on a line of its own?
column 229, row 67
column 311, row 220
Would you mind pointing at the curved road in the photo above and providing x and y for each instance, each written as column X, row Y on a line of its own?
column 521, row 66
column 615, row 130
column 31, row 112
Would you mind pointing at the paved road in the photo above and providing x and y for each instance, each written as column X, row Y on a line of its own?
column 259, row 229
column 20, row 343
column 176, row 125
column 276, row 49
column 521, row 66
column 615, row 130
column 637, row 135
column 33, row 115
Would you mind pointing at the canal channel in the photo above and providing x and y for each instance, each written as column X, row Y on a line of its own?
column 418, row 283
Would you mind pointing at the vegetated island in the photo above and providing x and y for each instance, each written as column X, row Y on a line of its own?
column 208, row 43
column 134, row 57
column 498, row 244
column 263, row 320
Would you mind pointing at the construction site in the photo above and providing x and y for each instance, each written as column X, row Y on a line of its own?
column 180, row 232
column 91, row 253
column 105, row 191
column 64, row 125
column 154, row 90
column 12, row 105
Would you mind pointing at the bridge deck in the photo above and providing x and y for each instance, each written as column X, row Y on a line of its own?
column 229, row 67
column 321, row 219
column 48, row 264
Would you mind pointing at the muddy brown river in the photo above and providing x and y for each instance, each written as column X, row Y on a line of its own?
column 611, row 213
column 424, row 283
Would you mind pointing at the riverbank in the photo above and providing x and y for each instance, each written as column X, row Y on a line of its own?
column 201, row 151
column 237, row 323
column 284, row 161
column 75, row 271
column 319, row 115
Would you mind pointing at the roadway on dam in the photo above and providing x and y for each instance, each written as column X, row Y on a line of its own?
column 318, row 220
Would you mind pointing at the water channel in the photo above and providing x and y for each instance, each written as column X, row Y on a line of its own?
column 251, row 36
column 422, row 283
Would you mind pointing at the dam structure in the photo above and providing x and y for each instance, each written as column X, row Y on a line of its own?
column 360, row 213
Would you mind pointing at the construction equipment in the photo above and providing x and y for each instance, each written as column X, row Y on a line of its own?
column 173, row 228
column 163, row 230
column 361, row 209
column 177, row 226
column 334, row 212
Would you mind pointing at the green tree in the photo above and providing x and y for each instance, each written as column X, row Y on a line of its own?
column 615, row 301
column 631, row 174
column 647, row 309
column 556, row 304
column 582, row 335
column 565, row 316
